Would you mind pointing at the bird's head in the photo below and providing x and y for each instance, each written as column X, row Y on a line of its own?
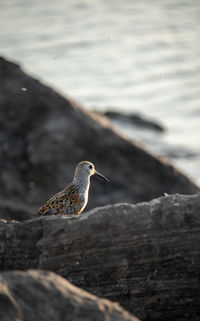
column 88, row 168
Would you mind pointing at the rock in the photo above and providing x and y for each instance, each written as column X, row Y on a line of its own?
column 144, row 256
column 44, row 135
column 135, row 120
column 40, row 295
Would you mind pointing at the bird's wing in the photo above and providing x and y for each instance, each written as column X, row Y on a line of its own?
column 72, row 199
column 53, row 203
column 67, row 201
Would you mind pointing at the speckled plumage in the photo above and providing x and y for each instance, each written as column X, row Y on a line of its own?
column 73, row 199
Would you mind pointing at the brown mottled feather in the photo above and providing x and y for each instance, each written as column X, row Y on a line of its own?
column 68, row 201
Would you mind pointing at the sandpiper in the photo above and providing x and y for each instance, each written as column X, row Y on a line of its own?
column 73, row 199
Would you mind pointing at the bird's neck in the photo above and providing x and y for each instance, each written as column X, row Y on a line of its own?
column 82, row 181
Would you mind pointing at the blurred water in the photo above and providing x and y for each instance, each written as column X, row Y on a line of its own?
column 131, row 56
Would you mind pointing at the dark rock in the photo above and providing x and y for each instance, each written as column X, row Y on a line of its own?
column 145, row 256
column 44, row 296
column 135, row 120
column 43, row 136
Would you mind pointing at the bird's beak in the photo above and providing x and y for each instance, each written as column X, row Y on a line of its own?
column 100, row 175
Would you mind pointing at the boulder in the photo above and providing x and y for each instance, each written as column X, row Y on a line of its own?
column 43, row 296
column 144, row 256
column 43, row 136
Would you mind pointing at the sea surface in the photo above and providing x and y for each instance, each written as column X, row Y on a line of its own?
column 130, row 56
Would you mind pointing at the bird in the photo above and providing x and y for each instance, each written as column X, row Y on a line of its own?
column 73, row 199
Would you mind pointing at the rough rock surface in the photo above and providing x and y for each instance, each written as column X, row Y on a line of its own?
column 144, row 256
column 45, row 296
column 43, row 136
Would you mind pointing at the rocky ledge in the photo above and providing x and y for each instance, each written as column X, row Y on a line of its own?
column 43, row 136
column 144, row 256
column 45, row 296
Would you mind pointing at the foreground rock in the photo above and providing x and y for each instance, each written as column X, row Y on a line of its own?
column 43, row 136
column 45, row 296
column 146, row 257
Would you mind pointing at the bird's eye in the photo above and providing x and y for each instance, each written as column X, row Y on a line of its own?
column 90, row 166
